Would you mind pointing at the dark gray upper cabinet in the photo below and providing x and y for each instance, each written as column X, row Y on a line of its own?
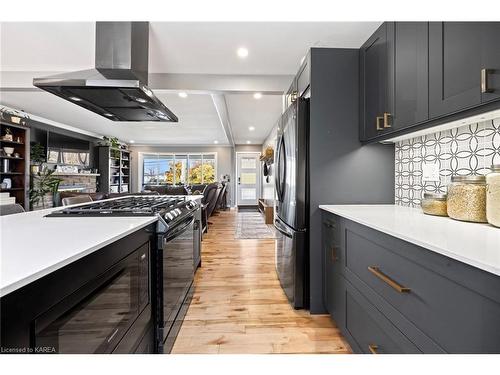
column 374, row 84
column 419, row 75
column 490, row 61
column 394, row 79
column 411, row 88
column 454, row 66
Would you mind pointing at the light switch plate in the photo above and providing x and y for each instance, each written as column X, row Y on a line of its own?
column 430, row 172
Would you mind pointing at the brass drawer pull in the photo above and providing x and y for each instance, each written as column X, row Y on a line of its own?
column 387, row 117
column 386, row 279
column 373, row 349
column 378, row 121
column 484, row 81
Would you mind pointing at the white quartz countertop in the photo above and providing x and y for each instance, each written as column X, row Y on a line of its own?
column 33, row 246
column 475, row 244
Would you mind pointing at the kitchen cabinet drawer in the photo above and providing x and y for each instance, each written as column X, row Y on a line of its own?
column 370, row 330
column 458, row 319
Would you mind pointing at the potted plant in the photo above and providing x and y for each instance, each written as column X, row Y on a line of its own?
column 114, row 145
column 43, row 183
column 37, row 157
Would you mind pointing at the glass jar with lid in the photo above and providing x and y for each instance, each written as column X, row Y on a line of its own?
column 493, row 195
column 434, row 204
column 467, row 198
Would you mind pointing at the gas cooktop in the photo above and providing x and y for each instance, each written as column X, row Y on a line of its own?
column 165, row 206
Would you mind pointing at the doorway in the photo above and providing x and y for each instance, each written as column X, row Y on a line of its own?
column 247, row 178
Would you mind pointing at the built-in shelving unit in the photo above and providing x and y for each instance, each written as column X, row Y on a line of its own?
column 114, row 166
column 15, row 168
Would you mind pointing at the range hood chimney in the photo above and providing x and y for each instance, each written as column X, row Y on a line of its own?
column 117, row 87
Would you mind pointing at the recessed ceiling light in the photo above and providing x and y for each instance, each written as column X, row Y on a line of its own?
column 242, row 52
column 108, row 114
column 183, row 95
column 131, row 141
column 257, row 95
column 216, row 142
column 75, row 98
column 140, row 100
column 251, row 128
column 248, row 142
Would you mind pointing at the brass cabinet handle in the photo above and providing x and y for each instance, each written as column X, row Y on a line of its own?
column 378, row 121
column 293, row 96
column 387, row 117
column 334, row 254
column 484, row 81
column 373, row 349
column 386, row 279
column 329, row 225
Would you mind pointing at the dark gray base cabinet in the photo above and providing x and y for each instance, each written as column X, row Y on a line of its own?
column 390, row 296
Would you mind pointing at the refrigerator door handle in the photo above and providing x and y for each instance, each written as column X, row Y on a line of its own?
column 283, row 178
column 277, row 177
column 280, row 228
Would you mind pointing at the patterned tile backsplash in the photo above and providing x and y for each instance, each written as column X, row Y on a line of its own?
column 467, row 150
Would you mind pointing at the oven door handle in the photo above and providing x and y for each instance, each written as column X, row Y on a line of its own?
column 178, row 230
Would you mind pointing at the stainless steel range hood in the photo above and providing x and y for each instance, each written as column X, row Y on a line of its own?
column 117, row 87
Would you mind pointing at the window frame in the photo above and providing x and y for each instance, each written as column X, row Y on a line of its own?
column 196, row 155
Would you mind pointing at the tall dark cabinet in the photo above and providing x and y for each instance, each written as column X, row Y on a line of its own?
column 339, row 165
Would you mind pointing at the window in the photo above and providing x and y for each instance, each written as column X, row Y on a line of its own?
column 175, row 169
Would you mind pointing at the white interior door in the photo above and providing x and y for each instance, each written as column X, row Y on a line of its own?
column 248, row 178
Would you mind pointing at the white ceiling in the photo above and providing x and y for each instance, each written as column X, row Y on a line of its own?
column 175, row 47
column 274, row 47
column 199, row 122
column 245, row 111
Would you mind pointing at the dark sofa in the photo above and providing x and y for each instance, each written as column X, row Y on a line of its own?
column 167, row 189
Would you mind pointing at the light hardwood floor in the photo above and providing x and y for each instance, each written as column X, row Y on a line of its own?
column 239, row 306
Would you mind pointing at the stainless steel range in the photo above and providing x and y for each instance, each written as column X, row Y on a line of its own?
column 172, row 266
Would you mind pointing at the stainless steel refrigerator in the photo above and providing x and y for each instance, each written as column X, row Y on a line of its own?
column 292, row 204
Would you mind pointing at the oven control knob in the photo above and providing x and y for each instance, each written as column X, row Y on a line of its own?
column 178, row 211
column 168, row 216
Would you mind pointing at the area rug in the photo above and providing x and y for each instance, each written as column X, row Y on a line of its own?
column 250, row 225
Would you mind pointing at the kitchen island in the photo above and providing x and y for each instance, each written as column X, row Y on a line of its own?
column 84, row 282
column 399, row 281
